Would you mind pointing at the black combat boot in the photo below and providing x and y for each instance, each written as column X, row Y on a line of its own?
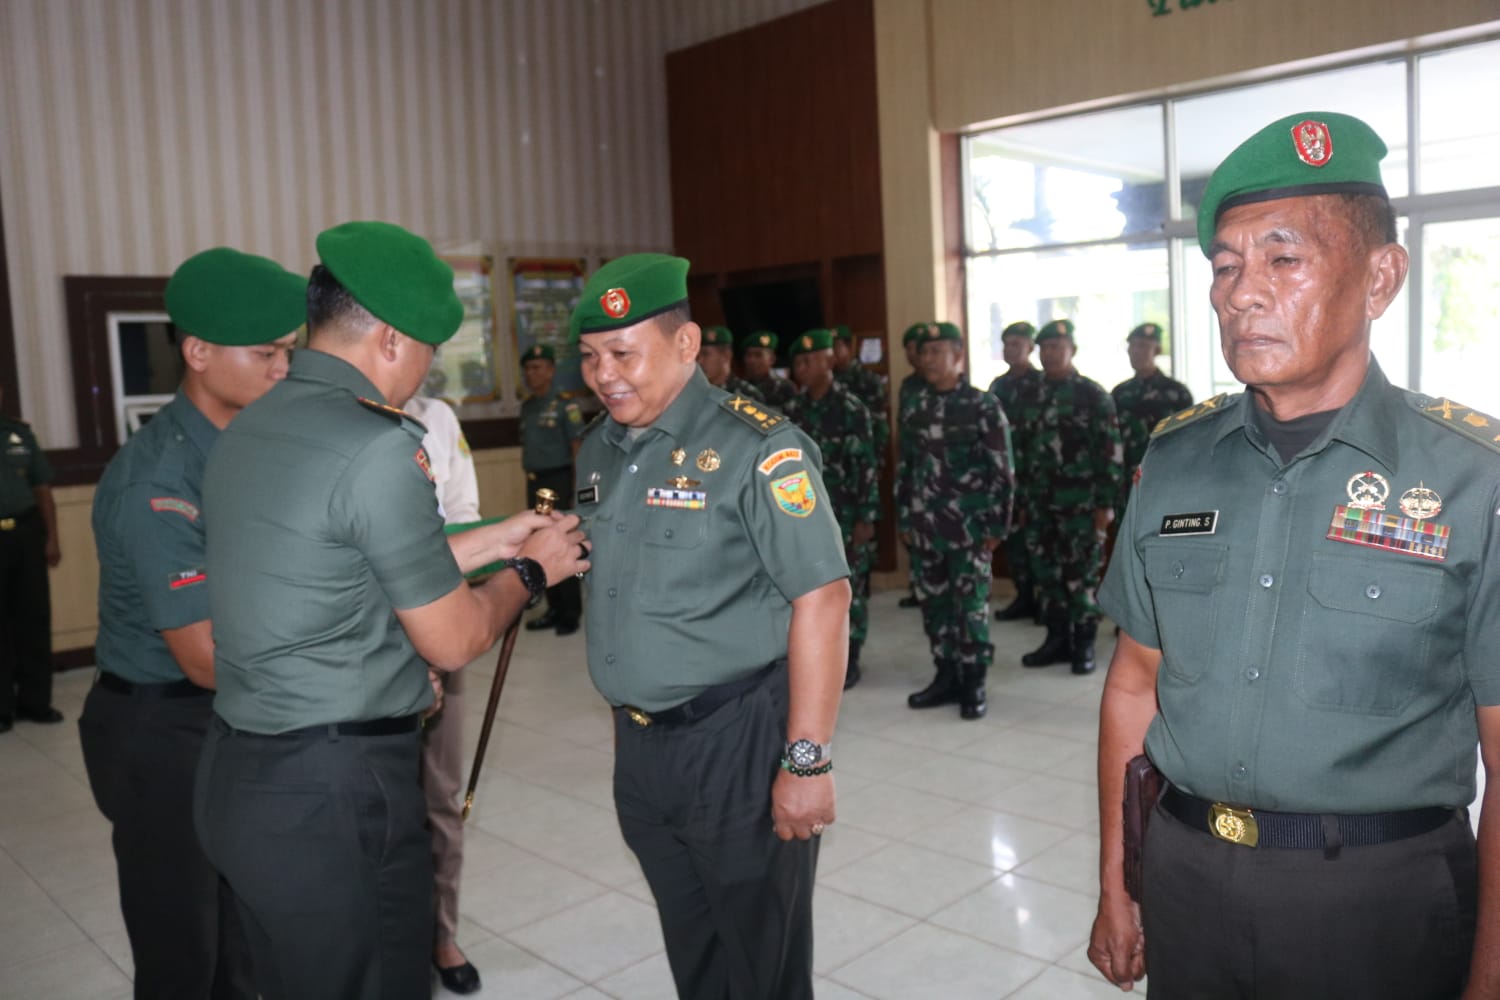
column 1058, row 646
column 1022, row 607
column 910, row 601
column 944, row 689
column 971, row 700
column 851, row 675
column 1083, row 647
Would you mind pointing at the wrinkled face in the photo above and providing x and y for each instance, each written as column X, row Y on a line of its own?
column 813, row 370
column 717, row 362
column 1295, row 292
column 638, row 370
column 1057, row 356
column 538, row 374
column 758, row 363
column 238, row 376
column 941, row 363
column 1015, row 350
column 1142, row 352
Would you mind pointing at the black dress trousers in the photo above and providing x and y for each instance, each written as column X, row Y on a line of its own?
column 25, row 617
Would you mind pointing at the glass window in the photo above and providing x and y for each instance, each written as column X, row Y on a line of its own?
column 1461, row 311
column 1087, row 177
column 1459, row 127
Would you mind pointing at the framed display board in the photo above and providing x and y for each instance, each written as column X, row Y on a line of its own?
column 463, row 369
column 543, row 294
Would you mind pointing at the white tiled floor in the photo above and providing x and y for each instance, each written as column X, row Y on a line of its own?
column 962, row 866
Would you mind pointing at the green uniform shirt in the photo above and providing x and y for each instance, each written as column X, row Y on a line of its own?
column 22, row 469
column 549, row 425
column 324, row 521
column 1141, row 404
column 1300, row 672
column 691, row 586
column 775, row 390
column 148, row 531
column 841, row 427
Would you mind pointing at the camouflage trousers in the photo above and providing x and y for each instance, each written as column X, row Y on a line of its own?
column 861, row 560
column 953, row 583
column 1066, row 556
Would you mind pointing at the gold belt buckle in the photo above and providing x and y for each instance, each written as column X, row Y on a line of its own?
column 7, row 524
column 1237, row 826
column 637, row 716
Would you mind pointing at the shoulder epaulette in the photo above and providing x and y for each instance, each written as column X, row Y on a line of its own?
column 1184, row 417
column 757, row 415
column 394, row 412
column 1460, row 419
column 589, row 427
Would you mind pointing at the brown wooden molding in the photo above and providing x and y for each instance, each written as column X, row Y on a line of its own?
column 90, row 299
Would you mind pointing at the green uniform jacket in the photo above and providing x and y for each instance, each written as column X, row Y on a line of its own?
column 840, row 426
column 148, row 531
column 325, row 521
column 775, row 390
column 1141, row 404
column 869, row 388
column 1313, row 661
column 23, row 467
column 954, row 478
column 1069, row 454
column 692, row 585
column 549, row 425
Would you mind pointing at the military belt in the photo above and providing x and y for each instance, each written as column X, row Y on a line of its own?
column 710, row 701
column 1258, row 828
column 170, row 689
column 14, row 521
column 366, row 727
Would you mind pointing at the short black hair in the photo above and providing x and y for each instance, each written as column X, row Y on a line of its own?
column 669, row 320
column 329, row 303
column 1372, row 219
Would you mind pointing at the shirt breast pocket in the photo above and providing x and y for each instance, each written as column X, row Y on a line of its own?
column 1185, row 582
column 1366, row 633
column 674, row 560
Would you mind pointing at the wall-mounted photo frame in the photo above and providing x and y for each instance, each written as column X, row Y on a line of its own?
column 463, row 370
column 544, row 291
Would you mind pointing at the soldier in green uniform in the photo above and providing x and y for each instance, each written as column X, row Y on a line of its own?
column 1071, row 468
column 716, row 358
column 840, row 426
column 144, row 721
column 1143, row 401
column 1016, row 343
column 911, row 344
column 550, row 429
column 758, row 357
column 332, row 588
column 870, row 389
column 28, row 545
column 1308, row 586
column 717, row 626
column 954, row 483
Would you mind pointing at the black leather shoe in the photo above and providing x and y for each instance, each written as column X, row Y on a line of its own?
column 1021, row 607
column 46, row 717
column 458, row 979
column 943, row 690
column 567, row 626
column 549, row 619
column 1058, row 647
column 909, row 601
column 6, row 724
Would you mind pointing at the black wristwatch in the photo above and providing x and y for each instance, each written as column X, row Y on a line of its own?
column 806, row 753
column 531, row 573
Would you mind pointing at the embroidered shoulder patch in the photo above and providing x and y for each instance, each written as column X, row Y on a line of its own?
column 779, row 458
column 1184, row 417
column 176, row 505
column 185, row 578
column 1460, row 419
column 794, row 494
column 425, row 464
column 753, row 413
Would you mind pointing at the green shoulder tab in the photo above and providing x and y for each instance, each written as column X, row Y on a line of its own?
column 397, row 414
column 1460, row 419
column 593, row 424
column 1184, row 417
column 757, row 415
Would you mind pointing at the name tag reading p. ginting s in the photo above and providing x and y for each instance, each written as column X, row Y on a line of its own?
column 1202, row 523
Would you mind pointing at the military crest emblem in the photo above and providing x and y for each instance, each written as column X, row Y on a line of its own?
column 1313, row 142
column 1420, row 503
column 1368, row 490
column 615, row 303
column 794, row 494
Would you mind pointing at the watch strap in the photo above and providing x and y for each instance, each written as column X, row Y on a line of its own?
column 532, row 575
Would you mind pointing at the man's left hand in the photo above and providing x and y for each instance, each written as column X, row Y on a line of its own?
column 799, row 804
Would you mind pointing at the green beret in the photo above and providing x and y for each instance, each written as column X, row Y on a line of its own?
column 1317, row 152
column 1020, row 328
column 915, row 334
column 841, row 332
column 1146, row 331
column 1057, row 328
column 717, row 336
column 396, row 275
column 812, row 340
column 538, row 352
column 628, row 290
column 762, row 338
column 933, row 333
column 236, row 299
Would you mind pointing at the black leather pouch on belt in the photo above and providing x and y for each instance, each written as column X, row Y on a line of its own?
column 1142, row 789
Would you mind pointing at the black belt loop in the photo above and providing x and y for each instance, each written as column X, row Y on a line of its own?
column 1333, row 839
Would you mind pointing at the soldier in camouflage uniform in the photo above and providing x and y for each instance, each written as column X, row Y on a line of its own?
column 911, row 343
column 953, row 494
column 869, row 388
column 1016, row 345
column 1071, row 466
column 757, row 358
column 1144, row 401
column 716, row 358
column 841, row 427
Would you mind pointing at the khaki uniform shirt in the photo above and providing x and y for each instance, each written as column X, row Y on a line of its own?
column 324, row 522
column 692, row 585
column 1322, row 649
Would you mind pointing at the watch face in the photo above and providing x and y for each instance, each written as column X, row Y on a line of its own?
column 805, row 753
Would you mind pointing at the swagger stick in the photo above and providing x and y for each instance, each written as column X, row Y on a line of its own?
column 544, row 501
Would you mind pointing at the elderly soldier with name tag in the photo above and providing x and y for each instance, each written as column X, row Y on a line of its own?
column 1307, row 581
column 717, row 627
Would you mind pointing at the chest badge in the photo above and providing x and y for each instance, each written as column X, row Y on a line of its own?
column 708, row 460
column 1368, row 490
column 594, row 476
column 682, row 483
column 1420, row 503
column 679, row 456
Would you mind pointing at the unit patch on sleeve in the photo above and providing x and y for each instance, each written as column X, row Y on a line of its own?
column 794, row 494
column 185, row 578
column 176, row 505
column 778, row 459
column 425, row 464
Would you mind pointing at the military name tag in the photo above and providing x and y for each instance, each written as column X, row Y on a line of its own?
column 1202, row 523
column 589, row 494
column 680, row 499
column 1378, row 530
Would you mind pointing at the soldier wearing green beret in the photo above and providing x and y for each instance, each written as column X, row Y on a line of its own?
column 551, row 427
column 954, row 483
column 236, row 318
column 841, row 427
column 716, row 358
column 1307, row 581
column 758, row 357
column 1070, row 464
column 717, row 626
column 1143, row 401
column 1016, row 345
column 870, row 389
column 912, row 384
column 333, row 592
column 28, row 545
